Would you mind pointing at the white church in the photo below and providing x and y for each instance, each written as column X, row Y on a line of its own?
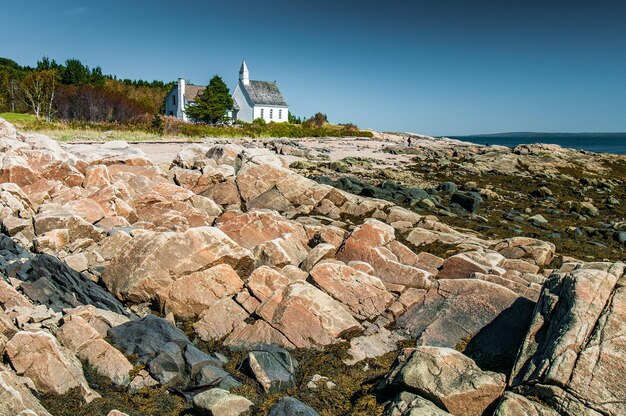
column 251, row 99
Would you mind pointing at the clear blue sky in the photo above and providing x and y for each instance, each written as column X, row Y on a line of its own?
column 439, row 67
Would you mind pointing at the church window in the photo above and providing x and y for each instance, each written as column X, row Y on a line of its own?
column 280, row 114
column 261, row 113
column 271, row 113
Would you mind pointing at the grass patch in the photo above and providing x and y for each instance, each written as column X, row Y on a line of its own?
column 172, row 129
column 18, row 118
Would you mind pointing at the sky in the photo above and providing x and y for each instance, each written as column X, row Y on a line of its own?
column 438, row 67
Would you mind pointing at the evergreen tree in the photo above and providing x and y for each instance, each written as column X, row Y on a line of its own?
column 75, row 73
column 212, row 103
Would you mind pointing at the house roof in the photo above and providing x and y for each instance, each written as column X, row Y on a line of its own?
column 192, row 91
column 265, row 93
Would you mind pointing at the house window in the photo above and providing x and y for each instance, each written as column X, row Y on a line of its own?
column 280, row 114
column 173, row 99
column 271, row 113
column 261, row 113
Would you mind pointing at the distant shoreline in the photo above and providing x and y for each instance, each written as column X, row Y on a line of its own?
column 543, row 135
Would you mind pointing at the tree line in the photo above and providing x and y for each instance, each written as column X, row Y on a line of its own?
column 73, row 91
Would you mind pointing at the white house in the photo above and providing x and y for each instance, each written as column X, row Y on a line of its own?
column 179, row 97
column 258, row 99
column 251, row 99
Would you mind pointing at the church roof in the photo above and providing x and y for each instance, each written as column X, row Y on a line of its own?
column 265, row 93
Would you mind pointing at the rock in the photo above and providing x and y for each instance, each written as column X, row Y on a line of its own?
column 409, row 404
column 467, row 311
column 281, row 252
column 144, row 337
column 318, row 380
column 306, row 316
column 51, row 282
column 470, row 202
column 447, row 378
column 54, row 216
column 188, row 296
column 83, row 340
column 272, row 367
column 318, row 253
column 115, row 412
column 256, row 227
column 539, row 252
column 260, row 332
column 462, row 266
column 513, row 404
column 220, row 319
column 15, row 397
column 371, row 346
column 572, row 357
column 151, row 261
column 449, row 187
column 368, row 243
column 99, row 319
column 588, row 209
column 537, row 220
column 290, row 406
column 363, row 294
column 38, row 356
column 265, row 282
column 219, row 402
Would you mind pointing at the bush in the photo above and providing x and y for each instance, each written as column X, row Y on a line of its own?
column 259, row 122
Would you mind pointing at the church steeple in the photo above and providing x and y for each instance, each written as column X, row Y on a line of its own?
column 244, row 75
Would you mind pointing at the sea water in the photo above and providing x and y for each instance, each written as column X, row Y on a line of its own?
column 593, row 143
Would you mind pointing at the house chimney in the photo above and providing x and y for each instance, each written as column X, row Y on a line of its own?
column 181, row 98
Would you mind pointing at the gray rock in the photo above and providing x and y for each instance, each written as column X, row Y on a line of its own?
column 219, row 402
column 470, row 202
column 513, row 404
column 289, row 406
column 49, row 281
column 145, row 337
column 573, row 354
column 447, row 378
column 409, row 404
column 449, row 187
column 272, row 367
column 168, row 366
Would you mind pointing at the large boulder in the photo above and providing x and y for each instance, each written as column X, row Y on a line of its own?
column 513, row 404
column 51, row 367
column 144, row 337
column 368, row 243
column 573, row 354
column 272, row 367
column 188, row 296
column 363, row 294
column 49, row 281
column 306, row 316
column 83, row 340
column 253, row 228
column 151, row 261
column 459, row 312
column 447, row 378
column 16, row 398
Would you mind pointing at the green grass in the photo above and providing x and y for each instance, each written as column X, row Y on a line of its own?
column 172, row 130
column 17, row 118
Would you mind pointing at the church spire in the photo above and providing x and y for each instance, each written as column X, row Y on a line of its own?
column 244, row 75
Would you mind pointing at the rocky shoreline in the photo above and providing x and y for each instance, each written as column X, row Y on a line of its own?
column 370, row 278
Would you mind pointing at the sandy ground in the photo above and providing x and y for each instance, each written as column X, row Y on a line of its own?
column 335, row 149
